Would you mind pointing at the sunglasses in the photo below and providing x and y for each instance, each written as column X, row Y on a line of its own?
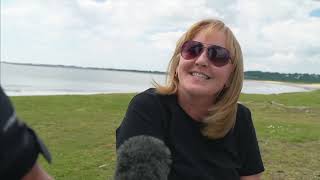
column 217, row 55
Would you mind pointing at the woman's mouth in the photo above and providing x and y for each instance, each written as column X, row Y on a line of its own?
column 200, row 75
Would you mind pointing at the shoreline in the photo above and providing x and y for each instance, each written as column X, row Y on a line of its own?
column 305, row 87
column 309, row 86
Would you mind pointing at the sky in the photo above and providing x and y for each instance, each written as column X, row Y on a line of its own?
column 275, row 36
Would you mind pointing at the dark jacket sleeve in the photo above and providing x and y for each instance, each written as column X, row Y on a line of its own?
column 19, row 144
column 249, row 149
column 144, row 116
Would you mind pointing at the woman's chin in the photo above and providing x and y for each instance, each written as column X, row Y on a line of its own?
column 200, row 91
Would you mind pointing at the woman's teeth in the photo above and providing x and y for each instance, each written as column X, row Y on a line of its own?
column 201, row 75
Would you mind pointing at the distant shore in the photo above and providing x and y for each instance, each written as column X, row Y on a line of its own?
column 84, row 67
column 309, row 86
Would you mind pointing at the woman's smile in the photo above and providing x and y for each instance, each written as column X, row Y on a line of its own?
column 200, row 75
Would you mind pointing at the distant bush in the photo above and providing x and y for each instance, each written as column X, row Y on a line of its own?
column 275, row 76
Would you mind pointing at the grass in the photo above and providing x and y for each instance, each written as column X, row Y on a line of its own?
column 80, row 132
column 288, row 127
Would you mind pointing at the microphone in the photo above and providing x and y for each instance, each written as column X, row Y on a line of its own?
column 143, row 158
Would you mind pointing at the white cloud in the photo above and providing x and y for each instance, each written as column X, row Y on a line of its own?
column 251, row 66
column 165, row 40
column 275, row 35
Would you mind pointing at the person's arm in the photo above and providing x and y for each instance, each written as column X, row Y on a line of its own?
column 252, row 177
column 37, row 173
column 252, row 165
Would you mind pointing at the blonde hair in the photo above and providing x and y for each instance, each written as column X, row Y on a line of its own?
column 222, row 115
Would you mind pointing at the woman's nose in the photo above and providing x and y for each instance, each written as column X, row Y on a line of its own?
column 202, row 60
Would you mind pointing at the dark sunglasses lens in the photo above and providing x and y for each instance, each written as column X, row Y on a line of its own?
column 219, row 56
column 191, row 49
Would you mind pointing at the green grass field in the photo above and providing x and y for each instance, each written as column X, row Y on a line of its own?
column 80, row 132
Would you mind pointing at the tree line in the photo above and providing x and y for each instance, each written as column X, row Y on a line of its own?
column 286, row 77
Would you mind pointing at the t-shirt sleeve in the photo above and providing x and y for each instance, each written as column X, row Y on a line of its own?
column 249, row 149
column 19, row 144
column 144, row 116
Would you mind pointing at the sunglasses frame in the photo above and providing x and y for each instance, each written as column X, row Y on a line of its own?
column 205, row 47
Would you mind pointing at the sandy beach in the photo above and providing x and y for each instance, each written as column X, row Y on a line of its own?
column 311, row 86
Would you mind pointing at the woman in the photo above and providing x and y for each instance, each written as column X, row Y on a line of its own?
column 196, row 113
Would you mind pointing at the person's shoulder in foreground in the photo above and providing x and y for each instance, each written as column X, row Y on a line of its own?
column 20, row 146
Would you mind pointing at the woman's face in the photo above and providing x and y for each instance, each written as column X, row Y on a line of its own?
column 200, row 77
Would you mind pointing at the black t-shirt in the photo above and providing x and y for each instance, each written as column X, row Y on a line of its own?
column 194, row 156
column 19, row 144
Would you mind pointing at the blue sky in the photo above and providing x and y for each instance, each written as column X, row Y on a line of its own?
column 315, row 13
column 276, row 36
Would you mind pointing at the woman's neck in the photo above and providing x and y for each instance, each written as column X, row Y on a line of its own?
column 195, row 106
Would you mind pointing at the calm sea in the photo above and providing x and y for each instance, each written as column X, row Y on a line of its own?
column 42, row 80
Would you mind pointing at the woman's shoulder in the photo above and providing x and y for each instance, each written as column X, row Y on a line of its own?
column 151, row 96
column 145, row 96
column 242, row 110
column 148, row 100
column 243, row 118
column 151, row 92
